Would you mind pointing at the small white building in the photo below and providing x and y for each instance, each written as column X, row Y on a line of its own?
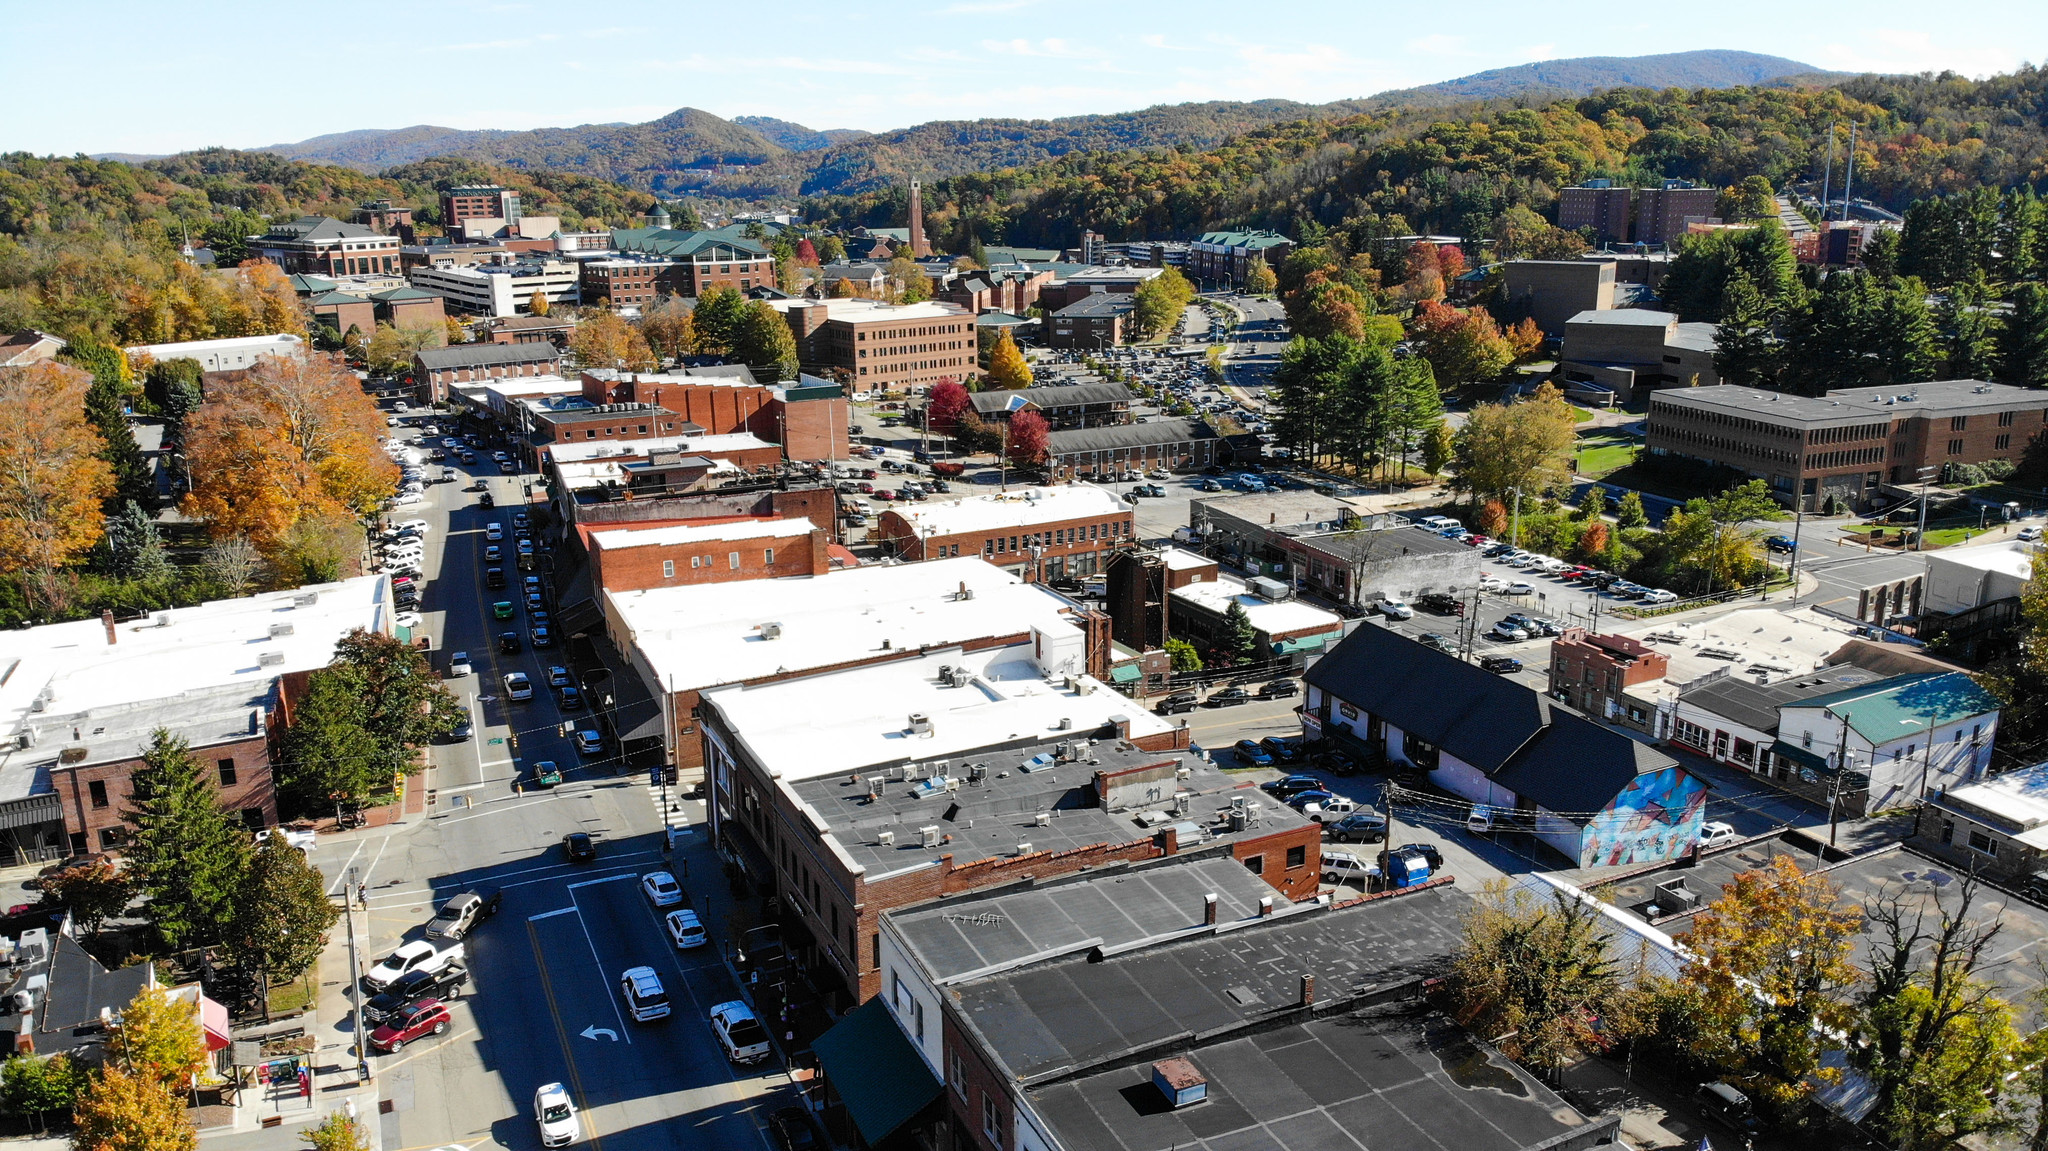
column 1909, row 736
column 1997, row 827
column 229, row 355
column 1959, row 579
column 501, row 289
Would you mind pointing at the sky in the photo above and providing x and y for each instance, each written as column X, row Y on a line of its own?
column 124, row 76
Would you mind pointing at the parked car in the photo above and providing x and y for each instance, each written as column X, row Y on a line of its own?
column 1715, row 833
column 1440, row 603
column 2030, row 534
column 661, row 889
column 1288, row 786
column 1358, row 827
column 1341, row 867
column 460, row 914
column 589, row 742
column 739, row 1033
column 412, row 987
column 1282, row 750
column 558, row 676
column 517, row 685
column 572, row 699
column 427, row 1017
column 1501, row 664
column 458, row 665
column 1725, row 1105
column 1279, row 689
column 1327, row 810
column 579, row 847
column 1251, row 754
column 1228, row 697
column 1178, row 702
column 1394, row 609
column 795, row 1130
column 646, row 999
column 686, row 930
column 1659, row 595
column 418, row 955
column 1440, row 642
column 1427, row 851
column 556, row 1116
column 1507, row 632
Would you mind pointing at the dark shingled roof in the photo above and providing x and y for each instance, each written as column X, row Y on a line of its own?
column 1052, row 396
column 486, row 355
column 1128, row 436
column 1756, row 705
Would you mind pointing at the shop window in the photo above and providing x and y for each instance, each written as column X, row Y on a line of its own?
column 1983, row 844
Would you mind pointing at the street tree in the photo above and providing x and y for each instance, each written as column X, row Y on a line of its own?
column 122, row 1111
column 1259, row 279
column 281, row 918
column 1538, row 971
column 1439, row 445
column 159, row 1038
column 1030, row 438
column 538, row 305
column 1629, row 513
column 1159, row 302
column 186, row 855
column 340, row 1131
column 95, row 891
column 1183, row 656
column 33, row 1086
column 1525, row 446
column 608, row 341
column 717, row 320
column 363, row 721
column 669, row 329
column 1007, row 367
column 944, row 407
column 390, row 349
column 1238, row 640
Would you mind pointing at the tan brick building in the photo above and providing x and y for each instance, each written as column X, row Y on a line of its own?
column 631, row 559
column 876, row 346
column 720, row 258
column 1038, row 533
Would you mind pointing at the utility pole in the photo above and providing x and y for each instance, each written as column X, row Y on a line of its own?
column 1515, row 529
column 1849, row 176
column 1828, row 172
column 1920, row 536
column 1798, row 521
column 1841, row 770
column 355, row 971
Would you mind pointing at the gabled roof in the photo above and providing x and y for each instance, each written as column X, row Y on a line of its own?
column 1576, row 766
column 1051, row 396
column 674, row 242
column 1907, row 705
column 306, row 285
column 1128, row 436
column 1255, row 239
column 1755, row 705
column 334, row 300
column 1480, row 717
column 399, row 295
column 315, row 228
column 487, row 355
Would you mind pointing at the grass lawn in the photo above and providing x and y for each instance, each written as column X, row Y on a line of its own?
column 1938, row 536
column 1605, row 451
column 298, row 995
column 1582, row 415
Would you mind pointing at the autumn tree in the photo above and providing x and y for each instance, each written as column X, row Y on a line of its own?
column 272, row 304
column 159, row 1038
column 538, row 304
column 1538, row 971
column 945, row 405
column 390, row 350
column 608, row 341
column 717, row 320
column 95, row 891
column 1425, row 278
column 186, row 854
column 281, row 917
column 120, row 1110
column 1259, row 279
column 669, row 329
column 290, row 441
column 764, row 342
column 1521, row 234
column 1772, row 960
column 1029, row 439
column 1527, row 445
column 1593, row 540
column 340, row 1131
column 907, row 279
column 1462, row 346
column 53, row 479
column 1007, row 367
column 1159, row 302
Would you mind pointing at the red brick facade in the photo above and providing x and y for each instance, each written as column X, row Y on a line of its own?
column 625, row 566
column 1073, row 547
column 95, row 795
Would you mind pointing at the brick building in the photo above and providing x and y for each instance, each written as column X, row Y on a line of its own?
column 554, row 330
column 1635, row 215
column 386, row 219
column 1038, row 533
column 632, row 559
column 1553, row 291
column 630, row 281
column 682, row 641
column 1062, row 405
column 435, row 369
column 342, row 312
column 484, row 202
column 1079, row 285
column 1199, row 597
column 410, row 307
column 1594, row 672
column 1226, row 257
column 1092, row 323
column 921, row 795
column 1105, row 452
column 808, row 416
column 876, row 346
column 1615, row 353
column 720, row 258
column 81, row 700
column 1849, row 443
column 324, row 246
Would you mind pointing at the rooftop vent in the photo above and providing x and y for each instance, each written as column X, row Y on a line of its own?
column 270, row 659
column 1044, row 819
column 1024, row 849
column 71, row 755
column 1179, row 1082
column 279, row 630
column 885, row 839
column 771, row 631
column 920, row 723
column 306, row 599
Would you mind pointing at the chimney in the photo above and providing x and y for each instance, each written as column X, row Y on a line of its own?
column 1169, row 841
column 1265, row 907
column 1272, row 517
column 1308, row 990
column 1209, row 909
column 107, row 618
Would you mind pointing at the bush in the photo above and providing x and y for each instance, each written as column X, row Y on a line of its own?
column 1998, row 471
column 1962, row 475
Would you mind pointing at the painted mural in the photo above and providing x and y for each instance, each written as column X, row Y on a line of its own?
column 1655, row 818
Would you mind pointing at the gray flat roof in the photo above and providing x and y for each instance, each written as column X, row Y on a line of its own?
column 1072, row 1015
column 1379, row 1079
column 1103, row 908
column 1851, row 404
column 1757, row 704
column 993, row 816
column 1384, row 543
column 1623, row 318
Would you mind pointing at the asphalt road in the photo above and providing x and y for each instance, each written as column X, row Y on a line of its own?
column 542, row 1002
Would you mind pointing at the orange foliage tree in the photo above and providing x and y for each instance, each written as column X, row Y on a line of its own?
column 52, row 475
column 292, row 441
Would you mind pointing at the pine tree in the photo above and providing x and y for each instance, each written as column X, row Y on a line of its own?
column 187, row 855
column 1746, row 349
column 1239, row 640
column 1905, row 343
column 1969, row 333
column 1593, row 505
column 281, row 918
column 2023, row 345
column 106, row 408
column 135, row 545
column 1629, row 513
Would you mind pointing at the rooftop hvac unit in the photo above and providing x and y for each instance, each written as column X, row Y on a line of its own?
column 874, row 787
column 1066, row 723
column 1183, row 772
column 929, row 834
column 163, row 619
column 306, row 599
column 952, row 784
column 270, row 659
column 25, row 740
column 1183, row 802
column 279, row 630
column 771, row 631
column 1237, row 804
column 920, row 723
column 1024, row 849
column 1044, row 819
column 885, row 839
column 977, row 773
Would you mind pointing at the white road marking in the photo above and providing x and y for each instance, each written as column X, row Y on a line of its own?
column 598, row 961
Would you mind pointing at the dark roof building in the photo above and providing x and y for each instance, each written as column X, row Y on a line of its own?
column 324, row 246
column 1595, row 794
column 1062, row 405
column 1178, row 444
column 434, row 369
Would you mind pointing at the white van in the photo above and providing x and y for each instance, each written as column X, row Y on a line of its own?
column 1479, row 820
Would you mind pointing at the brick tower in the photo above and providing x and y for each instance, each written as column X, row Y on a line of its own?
column 919, row 248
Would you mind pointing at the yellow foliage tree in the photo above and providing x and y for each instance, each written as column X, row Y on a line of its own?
column 272, row 305
column 1528, row 445
column 1007, row 367
column 539, row 305
column 159, row 1038
column 608, row 341
column 120, row 1111
column 53, row 478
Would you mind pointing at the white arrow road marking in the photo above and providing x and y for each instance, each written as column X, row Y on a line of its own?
column 593, row 1031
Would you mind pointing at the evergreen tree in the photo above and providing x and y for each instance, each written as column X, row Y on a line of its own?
column 281, row 918
column 187, row 855
column 1593, row 505
column 2023, row 345
column 1629, row 513
column 1746, row 347
column 1969, row 333
column 106, row 408
column 1905, row 345
column 135, row 546
column 1238, row 640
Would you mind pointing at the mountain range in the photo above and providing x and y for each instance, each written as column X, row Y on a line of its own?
column 759, row 157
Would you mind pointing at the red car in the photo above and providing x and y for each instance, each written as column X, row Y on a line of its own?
column 865, row 489
column 427, row 1017
column 884, row 494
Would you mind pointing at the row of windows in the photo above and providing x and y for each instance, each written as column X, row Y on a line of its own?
column 1058, row 537
column 919, row 366
column 1848, row 458
column 1844, row 435
column 915, row 349
column 1728, row 445
column 732, row 559
column 96, row 790
column 1721, row 419
column 913, row 333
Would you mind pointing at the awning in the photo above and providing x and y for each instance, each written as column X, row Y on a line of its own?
column 213, row 1019
column 1305, row 643
column 1792, row 753
column 876, row 1072
column 1126, row 673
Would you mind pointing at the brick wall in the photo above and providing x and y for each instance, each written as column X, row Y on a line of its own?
column 253, row 788
column 807, row 429
column 1072, row 546
column 969, row 1081
column 632, row 568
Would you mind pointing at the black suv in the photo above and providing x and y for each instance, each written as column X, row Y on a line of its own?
column 1228, row 697
column 1177, row 703
column 1501, row 664
column 1290, row 786
column 412, row 987
column 1441, row 603
column 1279, row 689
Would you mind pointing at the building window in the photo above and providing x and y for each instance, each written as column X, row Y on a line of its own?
column 1256, row 864
column 1955, row 447
column 917, row 1021
column 1297, row 857
column 110, row 839
column 896, row 991
column 97, row 789
column 2005, row 419
column 732, row 560
column 768, row 556
column 668, row 569
column 227, row 769
column 957, row 1072
column 991, row 1120
column 1983, row 844
column 2001, row 443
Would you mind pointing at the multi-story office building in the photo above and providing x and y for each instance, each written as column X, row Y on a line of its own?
column 1226, row 257
column 630, row 281
column 501, row 289
column 721, row 258
column 1850, row 442
column 1634, row 215
column 876, row 345
column 478, row 203
column 324, row 246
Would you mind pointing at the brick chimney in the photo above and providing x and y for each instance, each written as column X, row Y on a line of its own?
column 107, row 618
column 1265, row 907
column 1095, row 626
column 1308, row 990
column 1209, row 909
column 1169, row 841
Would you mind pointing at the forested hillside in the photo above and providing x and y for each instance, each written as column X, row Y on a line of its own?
column 1436, row 171
column 89, row 247
column 1584, row 75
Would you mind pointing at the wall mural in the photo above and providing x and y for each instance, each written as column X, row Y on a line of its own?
column 1655, row 818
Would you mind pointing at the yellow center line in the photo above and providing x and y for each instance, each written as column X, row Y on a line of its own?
column 562, row 1034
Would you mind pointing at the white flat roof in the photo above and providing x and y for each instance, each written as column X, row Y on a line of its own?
column 642, row 448
column 703, row 635
column 2020, row 796
column 873, row 311
column 519, row 387
column 74, row 671
column 576, row 477
column 1012, row 509
column 1782, row 644
column 830, row 724
column 1288, row 615
column 282, row 342
column 699, row 533
column 1181, row 559
column 2013, row 559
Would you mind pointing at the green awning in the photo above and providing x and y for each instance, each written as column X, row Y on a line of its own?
column 1305, row 643
column 1795, row 754
column 875, row 1071
column 1126, row 673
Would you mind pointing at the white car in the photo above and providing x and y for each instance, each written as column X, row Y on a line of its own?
column 556, row 1116
column 1492, row 585
column 405, row 500
column 458, row 665
column 1659, row 595
column 1716, row 833
column 494, row 532
column 1394, row 609
column 518, row 686
column 419, row 955
column 646, row 1000
column 1519, row 587
column 1330, row 810
column 303, row 840
column 421, row 526
column 2030, row 534
column 1340, row 867
column 407, row 619
column 739, row 1033
column 1507, row 631
column 661, row 888
column 687, row 930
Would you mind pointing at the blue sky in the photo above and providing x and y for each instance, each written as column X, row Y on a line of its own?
column 154, row 77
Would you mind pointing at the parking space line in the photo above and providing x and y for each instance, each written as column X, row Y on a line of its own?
column 571, row 910
column 341, row 882
column 416, row 893
column 606, row 879
column 547, row 987
column 383, row 1068
column 625, row 1032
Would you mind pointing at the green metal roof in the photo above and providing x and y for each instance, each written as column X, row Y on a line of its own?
column 877, row 1073
column 1126, row 673
column 334, row 299
column 1252, row 239
column 1906, row 705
